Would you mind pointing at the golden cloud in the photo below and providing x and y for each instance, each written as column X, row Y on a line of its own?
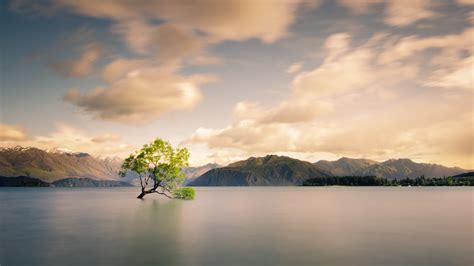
column 141, row 96
column 405, row 12
column 12, row 133
column 169, row 43
column 119, row 67
column 361, row 117
column 457, row 76
column 295, row 67
column 398, row 13
column 66, row 136
column 106, row 138
column 450, row 45
column 234, row 19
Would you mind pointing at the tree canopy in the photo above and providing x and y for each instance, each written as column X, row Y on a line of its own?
column 159, row 167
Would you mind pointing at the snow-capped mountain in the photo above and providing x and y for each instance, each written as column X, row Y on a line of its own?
column 55, row 164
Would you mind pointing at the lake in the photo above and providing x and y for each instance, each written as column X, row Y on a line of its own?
column 238, row 226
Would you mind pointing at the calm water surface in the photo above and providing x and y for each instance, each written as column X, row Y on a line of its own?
column 237, row 226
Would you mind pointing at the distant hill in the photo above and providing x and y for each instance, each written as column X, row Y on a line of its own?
column 55, row 164
column 22, row 181
column 402, row 168
column 390, row 169
column 344, row 166
column 271, row 170
column 88, row 182
column 275, row 170
column 194, row 172
column 468, row 174
column 25, row 181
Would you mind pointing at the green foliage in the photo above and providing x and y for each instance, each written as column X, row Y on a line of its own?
column 186, row 193
column 159, row 165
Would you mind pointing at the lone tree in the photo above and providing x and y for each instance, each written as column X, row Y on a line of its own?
column 159, row 167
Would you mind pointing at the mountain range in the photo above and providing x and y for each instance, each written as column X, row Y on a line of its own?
column 271, row 170
column 344, row 166
column 390, row 169
column 56, row 164
column 25, row 181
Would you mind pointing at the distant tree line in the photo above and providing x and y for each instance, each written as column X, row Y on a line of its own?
column 378, row 181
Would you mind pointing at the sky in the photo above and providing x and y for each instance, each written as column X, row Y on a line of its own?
column 310, row 79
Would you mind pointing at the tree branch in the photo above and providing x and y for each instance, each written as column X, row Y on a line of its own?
column 162, row 193
column 141, row 182
column 165, row 188
column 146, row 180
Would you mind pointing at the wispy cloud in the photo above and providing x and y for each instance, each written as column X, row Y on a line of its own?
column 67, row 136
column 399, row 13
column 295, row 67
column 12, row 133
column 84, row 64
column 382, row 122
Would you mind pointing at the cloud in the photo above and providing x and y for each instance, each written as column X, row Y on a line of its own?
column 452, row 46
column 402, row 13
column 465, row 2
column 348, row 68
column 66, row 136
column 171, row 34
column 359, row 6
column 136, row 34
column 248, row 135
column 82, row 65
column 224, row 20
column 381, row 134
column 347, row 106
column 106, row 138
column 141, row 90
column 169, row 43
column 336, row 44
column 12, row 133
column 205, row 59
column 295, row 67
column 470, row 18
column 399, row 13
column 293, row 110
column 450, row 67
column 141, row 96
column 397, row 132
column 119, row 67
column 343, row 70
column 458, row 76
column 73, row 54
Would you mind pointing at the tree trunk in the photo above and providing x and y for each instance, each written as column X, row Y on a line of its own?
column 141, row 195
column 144, row 192
column 153, row 190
